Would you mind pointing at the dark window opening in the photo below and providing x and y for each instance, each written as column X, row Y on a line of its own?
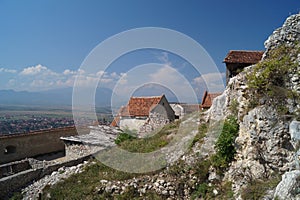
column 10, row 149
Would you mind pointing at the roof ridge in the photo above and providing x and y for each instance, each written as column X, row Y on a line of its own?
column 215, row 92
column 148, row 96
column 248, row 50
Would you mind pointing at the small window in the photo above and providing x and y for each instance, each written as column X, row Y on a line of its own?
column 10, row 149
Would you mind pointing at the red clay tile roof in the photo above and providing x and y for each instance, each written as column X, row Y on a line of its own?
column 122, row 112
column 139, row 106
column 248, row 57
column 116, row 121
column 208, row 99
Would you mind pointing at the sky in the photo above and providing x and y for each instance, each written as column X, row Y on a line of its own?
column 44, row 42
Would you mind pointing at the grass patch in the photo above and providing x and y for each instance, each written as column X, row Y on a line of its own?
column 149, row 144
column 125, row 136
column 257, row 188
column 16, row 196
column 82, row 186
column 202, row 190
column 234, row 107
column 132, row 194
column 202, row 130
column 206, row 192
column 184, row 172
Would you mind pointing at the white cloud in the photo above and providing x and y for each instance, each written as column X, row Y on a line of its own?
column 214, row 82
column 165, row 74
column 39, row 77
column 164, row 58
column 69, row 72
column 101, row 73
column 123, row 79
column 115, row 75
column 11, row 82
column 170, row 78
column 13, row 71
column 33, row 70
column 159, row 74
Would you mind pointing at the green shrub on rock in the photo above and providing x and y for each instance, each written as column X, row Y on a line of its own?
column 225, row 149
column 269, row 78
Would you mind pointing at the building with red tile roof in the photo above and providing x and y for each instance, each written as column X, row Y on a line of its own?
column 207, row 99
column 137, row 112
column 236, row 61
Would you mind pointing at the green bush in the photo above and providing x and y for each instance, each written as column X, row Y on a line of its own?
column 123, row 137
column 17, row 196
column 234, row 107
column 225, row 149
column 201, row 191
column 205, row 191
column 269, row 77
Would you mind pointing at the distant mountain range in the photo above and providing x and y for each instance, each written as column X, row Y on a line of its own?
column 55, row 97
column 63, row 97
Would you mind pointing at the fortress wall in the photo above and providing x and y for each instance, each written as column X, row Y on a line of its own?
column 11, row 184
column 17, row 147
column 14, row 167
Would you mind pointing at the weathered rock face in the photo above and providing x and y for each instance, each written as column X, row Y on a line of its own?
column 99, row 138
column 264, row 144
column 155, row 121
column 263, row 147
column 288, row 188
column 288, row 34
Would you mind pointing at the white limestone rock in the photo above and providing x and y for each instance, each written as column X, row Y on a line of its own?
column 289, row 186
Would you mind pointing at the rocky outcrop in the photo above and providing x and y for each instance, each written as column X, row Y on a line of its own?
column 33, row 191
column 288, row 34
column 99, row 138
column 265, row 144
column 288, row 188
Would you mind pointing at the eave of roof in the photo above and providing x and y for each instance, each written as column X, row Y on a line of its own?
column 140, row 106
column 208, row 99
column 242, row 56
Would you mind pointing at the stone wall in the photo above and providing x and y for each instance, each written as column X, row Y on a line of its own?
column 13, row 168
column 155, row 121
column 99, row 138
column 17, row 147
column 11, row 184
column 164, row 109
column 74, row 150
column 133, row 124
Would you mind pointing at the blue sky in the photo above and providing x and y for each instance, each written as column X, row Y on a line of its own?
column 43, row 43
